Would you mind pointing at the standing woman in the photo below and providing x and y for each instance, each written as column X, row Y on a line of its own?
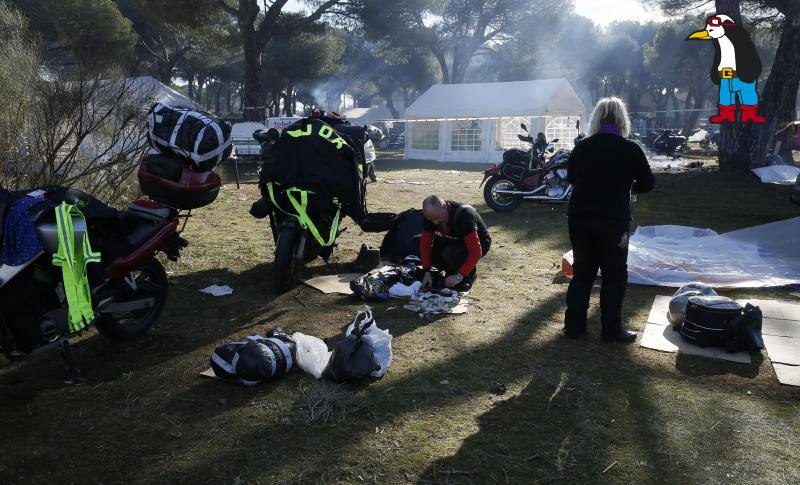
column 603, row 170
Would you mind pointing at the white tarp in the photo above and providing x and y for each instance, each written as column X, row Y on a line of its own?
column 755, row 257
column 778, row 174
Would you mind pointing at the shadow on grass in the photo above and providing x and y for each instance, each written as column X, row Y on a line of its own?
column 595, row 420
column 389, row 401
column 190, row 320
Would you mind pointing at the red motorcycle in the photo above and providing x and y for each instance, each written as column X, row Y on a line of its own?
column 527, row 175
column 128, row 286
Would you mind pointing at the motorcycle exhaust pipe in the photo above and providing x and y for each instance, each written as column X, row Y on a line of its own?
column 563, row 197
column 521, row 193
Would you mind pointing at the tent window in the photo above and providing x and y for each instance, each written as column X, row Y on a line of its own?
column 507, row 134
column 466, row 136
column 562, row 128
column 425, row 135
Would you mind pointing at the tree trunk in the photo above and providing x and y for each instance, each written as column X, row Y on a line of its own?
column 744, row 145
column 228, row 93
column 439, row 55
column 191, row 85
column 200, row 82
column 276, row 104
column 254, row 105
column 389, row 96
column 699, row 101
column 287, row 102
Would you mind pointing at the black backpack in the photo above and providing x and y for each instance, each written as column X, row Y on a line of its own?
column 403, row 239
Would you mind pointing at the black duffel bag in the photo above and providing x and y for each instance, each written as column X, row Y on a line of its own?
column 193, row 135
column 707, row 318
column 255, row 359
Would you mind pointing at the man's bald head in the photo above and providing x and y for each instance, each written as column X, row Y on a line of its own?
column 433, row 202
column 434, row 208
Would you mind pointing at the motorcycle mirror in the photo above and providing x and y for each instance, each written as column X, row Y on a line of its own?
column 555, row 140
column 523, row 126
column 578, row 125
column 76, row 197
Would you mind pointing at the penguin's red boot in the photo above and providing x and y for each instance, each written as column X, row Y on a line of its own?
column 727, row 114
column 750, row 113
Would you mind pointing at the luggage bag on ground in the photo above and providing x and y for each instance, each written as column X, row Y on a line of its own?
column 706, row 320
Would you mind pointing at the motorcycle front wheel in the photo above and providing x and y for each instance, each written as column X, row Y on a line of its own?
column 500, row 202
column 146, row 283
column 284, row 272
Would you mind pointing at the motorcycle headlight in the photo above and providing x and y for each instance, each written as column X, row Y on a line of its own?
column 562, row 173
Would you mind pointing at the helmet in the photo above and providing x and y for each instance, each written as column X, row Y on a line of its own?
column 695, row 286
column 677, row 305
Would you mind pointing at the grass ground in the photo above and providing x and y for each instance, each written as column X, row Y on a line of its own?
column 521, row 405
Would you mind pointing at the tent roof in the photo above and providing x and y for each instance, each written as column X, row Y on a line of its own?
column 369, row 115
column 490, row 100
column 147, row 86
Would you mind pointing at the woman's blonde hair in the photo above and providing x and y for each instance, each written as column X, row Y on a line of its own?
column 610, row 110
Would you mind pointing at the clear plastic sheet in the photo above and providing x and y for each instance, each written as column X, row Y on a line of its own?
column 755, row 257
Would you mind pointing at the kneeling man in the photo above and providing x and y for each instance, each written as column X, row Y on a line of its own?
column 454, row 238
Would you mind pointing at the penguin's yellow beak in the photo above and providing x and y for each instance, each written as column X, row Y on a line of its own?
column 700, row 34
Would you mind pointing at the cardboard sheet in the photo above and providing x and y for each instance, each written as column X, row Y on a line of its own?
column 777, row 309
column 339, row 283
column 787, row 374
column 659, row 310
column 780, row 328
column 665, row 339
column 209, row 373
column 783, row 350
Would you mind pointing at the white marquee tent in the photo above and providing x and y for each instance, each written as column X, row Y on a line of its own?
column 476, row 122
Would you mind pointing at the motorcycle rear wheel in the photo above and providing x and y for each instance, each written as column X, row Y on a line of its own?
column 284, row 272
column 500, row 202
column 151, row 281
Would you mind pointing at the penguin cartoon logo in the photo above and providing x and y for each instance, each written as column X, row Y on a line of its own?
column 735, row 69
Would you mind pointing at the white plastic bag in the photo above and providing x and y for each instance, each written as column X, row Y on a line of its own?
column 379, row 340
column 312, row 354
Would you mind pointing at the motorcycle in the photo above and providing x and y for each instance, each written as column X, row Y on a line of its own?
column 669, row 143
column 527, row 175
column 295, row 243
column 711, row 138
column 128, row 285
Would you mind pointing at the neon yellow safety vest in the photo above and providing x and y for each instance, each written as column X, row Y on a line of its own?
column 301, row 212
column 73, row 261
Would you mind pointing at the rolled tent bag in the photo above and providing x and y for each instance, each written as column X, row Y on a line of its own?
column 706, row 320
column 255, row 359
column 194, row 135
